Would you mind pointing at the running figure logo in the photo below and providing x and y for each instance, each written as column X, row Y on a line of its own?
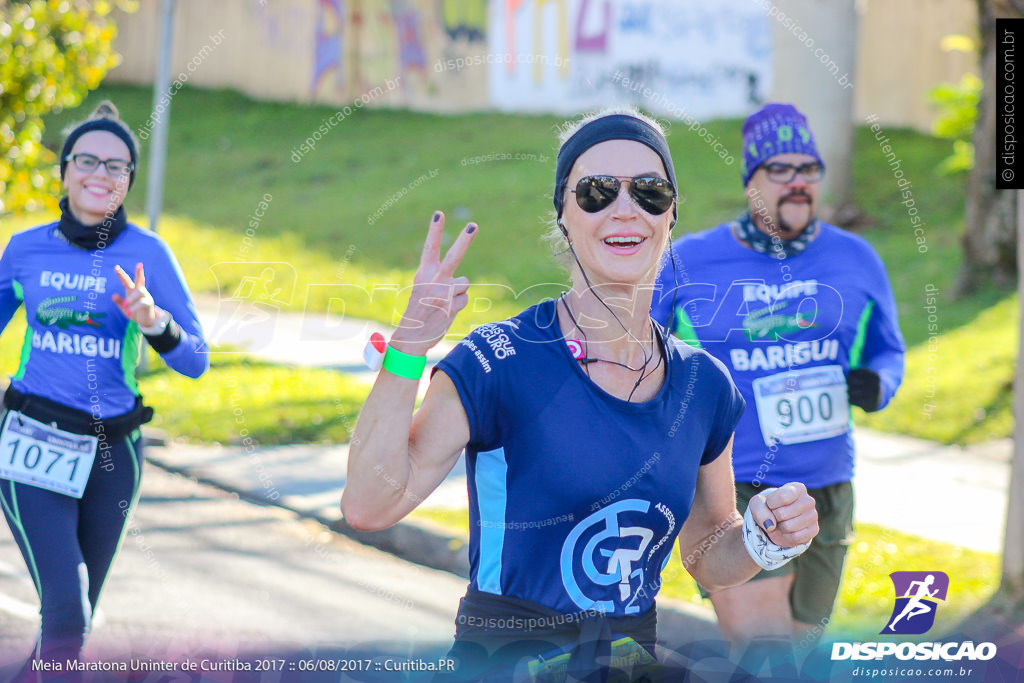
column 610, row 554
column 917, row 594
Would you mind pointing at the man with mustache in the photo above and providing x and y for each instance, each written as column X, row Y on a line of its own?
column 802, row 314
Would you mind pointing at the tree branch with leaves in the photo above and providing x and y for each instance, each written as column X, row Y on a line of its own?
column 52, row 53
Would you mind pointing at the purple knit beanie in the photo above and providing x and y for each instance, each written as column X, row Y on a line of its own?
column 775, row 129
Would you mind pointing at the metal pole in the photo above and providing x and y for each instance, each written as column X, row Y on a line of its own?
column 162, row 118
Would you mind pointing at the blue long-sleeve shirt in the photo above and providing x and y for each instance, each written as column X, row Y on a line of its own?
column 788, row 330
column 80, row 350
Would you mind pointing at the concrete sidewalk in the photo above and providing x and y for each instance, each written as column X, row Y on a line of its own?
column 947, row 493
column 953, row 495
column 306, row 339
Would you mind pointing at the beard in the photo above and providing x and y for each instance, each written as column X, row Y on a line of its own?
column 798, row 218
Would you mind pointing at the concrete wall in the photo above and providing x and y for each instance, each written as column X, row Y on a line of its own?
column 679, row 58
column 328, row 51
column 900, row 57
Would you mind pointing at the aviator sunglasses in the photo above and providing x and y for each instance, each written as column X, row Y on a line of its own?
column 597, row 192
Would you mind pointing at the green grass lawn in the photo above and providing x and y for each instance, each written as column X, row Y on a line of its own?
column 961, row 389
column 866, row 595
column 270, row 404
column 227, row 152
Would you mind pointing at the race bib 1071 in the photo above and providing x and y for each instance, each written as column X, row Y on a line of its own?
column 34, row 453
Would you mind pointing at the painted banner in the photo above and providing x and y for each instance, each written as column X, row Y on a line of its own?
column 677, row 58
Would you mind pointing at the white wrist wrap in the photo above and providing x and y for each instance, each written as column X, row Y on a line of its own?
column 763, row 550
column 159, row 326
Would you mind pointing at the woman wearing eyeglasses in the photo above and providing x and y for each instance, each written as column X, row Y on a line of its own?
column 593, row 441
column 70, row 452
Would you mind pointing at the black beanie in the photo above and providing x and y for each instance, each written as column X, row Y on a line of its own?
column 105, row 124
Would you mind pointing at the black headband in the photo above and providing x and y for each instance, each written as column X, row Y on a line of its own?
column 108, row 125
column 613, row 127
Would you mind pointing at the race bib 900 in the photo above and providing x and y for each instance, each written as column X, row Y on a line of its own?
column 37, row 454
column 802, row 405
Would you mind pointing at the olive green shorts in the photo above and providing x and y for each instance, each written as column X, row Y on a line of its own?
column 818, row 570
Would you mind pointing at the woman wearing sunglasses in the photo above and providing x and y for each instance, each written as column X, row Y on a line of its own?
column 593, row 440
column 70, row 443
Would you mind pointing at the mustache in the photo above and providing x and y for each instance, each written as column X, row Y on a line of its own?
column 798, row 194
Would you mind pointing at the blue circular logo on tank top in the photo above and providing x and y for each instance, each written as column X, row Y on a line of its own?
column 602, row 551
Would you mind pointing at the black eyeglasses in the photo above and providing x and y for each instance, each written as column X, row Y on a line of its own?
column 87, row 163
column 597, row 192
column 811, row 172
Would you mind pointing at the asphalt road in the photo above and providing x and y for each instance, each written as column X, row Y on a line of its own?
column 203, row 575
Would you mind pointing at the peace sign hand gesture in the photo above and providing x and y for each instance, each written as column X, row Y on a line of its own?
column 437, row 296
column 137, row 303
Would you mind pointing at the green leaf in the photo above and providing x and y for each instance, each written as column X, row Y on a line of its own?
column 957, row 104
column 52, row 53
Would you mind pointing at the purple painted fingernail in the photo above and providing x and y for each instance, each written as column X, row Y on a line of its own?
column 470, row 229
column 437, row 216
column 769, row 525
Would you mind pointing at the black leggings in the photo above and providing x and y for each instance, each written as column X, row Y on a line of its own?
column 69, row 544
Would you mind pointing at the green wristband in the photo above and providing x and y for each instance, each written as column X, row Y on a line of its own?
column 404, row 365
